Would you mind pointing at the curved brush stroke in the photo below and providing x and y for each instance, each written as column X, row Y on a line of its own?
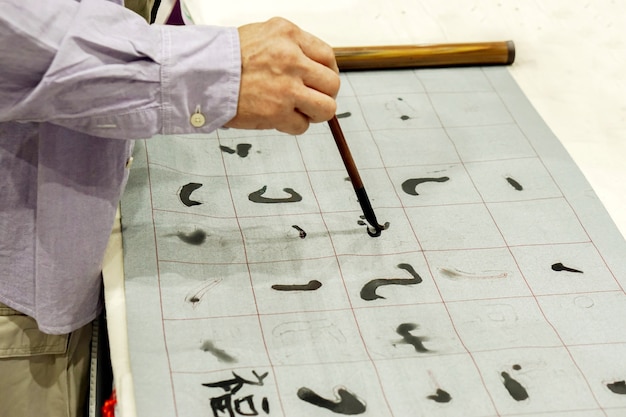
column 197, row 237
column 346, row 403
column 409, row 185
column 404, row 330
column 515, row 389
column 220, row 354
column 514, row 184
column 185, row 194
column 368, row 292
column 257, row 196
column 617, row 387
column 457, row 273
column 310, row 286
column 560, row 267
column 440, row 396
column 300, row 231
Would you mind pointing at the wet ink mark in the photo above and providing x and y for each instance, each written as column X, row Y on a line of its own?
column 220, row 354
column 515, row 389
column 514, row 184
column 409, row 185
column 197, row 237
column 516, row 367
column 299, row 229
column 457, row 273
column 404, row 117
column 368, row 292
column 257, row 196
column 440, row 396
column 195, row 296
column 242, row 149
column 310, row 286
column 345, row 403
column 373, row 232
column 560, row 267
column 404, row 330
column 617, row 387
column 185, row 193
column 344, row 115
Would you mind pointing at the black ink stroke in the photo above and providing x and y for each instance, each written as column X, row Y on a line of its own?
column 310, row 286
column 368, row 292
column 409, row 185
column 404, row 330
column 455, row 273
column 440, row 396
column 560, row 267
column 405, row 117
column 185, row 193
column 197, row 237
column 227, row 149
column 220, row 354
column 346, row 402
column 515, row 389
column 257, row 196
column 242, row 149
column 300, row 231
column 344, row 115
column 617, row 387
column 514, row 184
column 195, row 296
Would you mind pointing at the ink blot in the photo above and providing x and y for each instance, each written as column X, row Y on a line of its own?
column 409, row 185
column 185, row 194
column 617, row 387
column 516, row 367
column 344, row 115
column 299, row 229
column 440, row 396
column 227, row 149
column 196, row 237
column 310, row 286
column 404, row 117
column 404, row 330
column 242, row 149
column 514, row 184
column 221, row 355
column 368, row 292
column 257, row 197
column 560, row 267
column 346, row 403
column 515, row 389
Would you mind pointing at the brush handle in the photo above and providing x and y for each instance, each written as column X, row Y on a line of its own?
column 421, row 56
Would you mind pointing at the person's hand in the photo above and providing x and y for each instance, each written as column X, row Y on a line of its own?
column 289, row 78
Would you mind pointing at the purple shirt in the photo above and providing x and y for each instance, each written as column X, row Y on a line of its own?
column 78, row 82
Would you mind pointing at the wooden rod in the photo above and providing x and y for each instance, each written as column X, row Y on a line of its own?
column 421, row 56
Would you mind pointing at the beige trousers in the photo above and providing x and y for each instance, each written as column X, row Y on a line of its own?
column 41, row 374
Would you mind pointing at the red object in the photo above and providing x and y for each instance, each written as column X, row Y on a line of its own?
column 176, row 17
column 108, row 408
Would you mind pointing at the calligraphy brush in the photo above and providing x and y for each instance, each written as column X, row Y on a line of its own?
column 355, row 178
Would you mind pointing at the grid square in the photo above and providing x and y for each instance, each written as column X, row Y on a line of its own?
column 490, row 143
column 395, row 111
column 502, row 324
column 538, row 222
column 203, row 345
column 480, row 274
column 466, row 226
column 431, row 185
column 415, row 379
column 330, row 296
column 470, row 109
column 551, row 380
column 410, row 331
column 410, row 147
column 313, row 337
column 586, row 319
column 512, row 180
column 361, row 272
column 193, row 154
column 191, row 290
column 443, row 80
column 536, row 263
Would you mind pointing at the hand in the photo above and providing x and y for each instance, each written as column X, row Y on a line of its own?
column 289, row 78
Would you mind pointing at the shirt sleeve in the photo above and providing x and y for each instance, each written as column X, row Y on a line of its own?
column 97, row 68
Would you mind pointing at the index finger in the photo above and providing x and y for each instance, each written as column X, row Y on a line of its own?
column 318, row 50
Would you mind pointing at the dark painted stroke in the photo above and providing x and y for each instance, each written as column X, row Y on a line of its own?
column 347, row 404
column 300, row 231
column 185, row 194
column 514, row 184
column 197, row 237
column 243, row 149
column 441, row 396
column 227, row 149
column 515, row 389
column 310, row 286
column 617, row 387
column 368, row 292
column 220, row 354
column 409, row 185
column 257, row 196
column 404, row 330
column 560, row 267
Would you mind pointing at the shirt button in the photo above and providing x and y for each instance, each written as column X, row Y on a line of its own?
column 197, row 120
column 129, row 162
